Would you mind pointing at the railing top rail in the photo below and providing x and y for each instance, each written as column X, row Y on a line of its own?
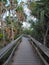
column 3, row 50
column 41, row 46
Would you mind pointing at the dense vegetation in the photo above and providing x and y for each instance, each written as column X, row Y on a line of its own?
column 11, row 27
column 40, row 10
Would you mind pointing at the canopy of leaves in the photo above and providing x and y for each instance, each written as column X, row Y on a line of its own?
column 15, row 1
column 7, row 20
column 3, row 0
column 19, row 8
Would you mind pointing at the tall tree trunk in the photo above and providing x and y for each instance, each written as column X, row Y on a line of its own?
column 45, row 36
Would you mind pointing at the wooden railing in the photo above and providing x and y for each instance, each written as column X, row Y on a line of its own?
column 41, row 49
column 7, row 52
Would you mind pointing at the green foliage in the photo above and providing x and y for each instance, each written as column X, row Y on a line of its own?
column 4, row 1
column 40, row 9
column 19, row 24
column 38, row 6
column 42, row 16
column 37, row 31
column 16, row 1
column 32, row 7
column 27, row 31
column 16, row 36
column 19, row 8
column 7, row 20
column 0, row 0
column 1, row 36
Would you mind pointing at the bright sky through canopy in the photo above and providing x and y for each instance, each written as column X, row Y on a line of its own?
column 26, row 10
column 26, row 25
column 22, row 0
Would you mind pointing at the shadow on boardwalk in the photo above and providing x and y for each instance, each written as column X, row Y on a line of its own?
column 26, row 54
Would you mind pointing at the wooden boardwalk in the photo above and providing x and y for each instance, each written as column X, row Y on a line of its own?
column 26, row 55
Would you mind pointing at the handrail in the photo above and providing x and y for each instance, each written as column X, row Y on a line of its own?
column 9, row 58
column 5, row 50
column 40, row 48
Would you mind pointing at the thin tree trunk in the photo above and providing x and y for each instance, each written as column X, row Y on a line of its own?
column 45, row 36
column 45, row 40
column 12, row 31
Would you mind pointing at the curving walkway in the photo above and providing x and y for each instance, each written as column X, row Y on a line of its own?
column 26, row 54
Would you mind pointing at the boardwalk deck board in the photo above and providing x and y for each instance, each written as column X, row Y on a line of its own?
column 26, row 55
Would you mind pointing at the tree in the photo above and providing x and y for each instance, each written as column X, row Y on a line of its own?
column 40, row 9
column 20, row 13
column 2, row 11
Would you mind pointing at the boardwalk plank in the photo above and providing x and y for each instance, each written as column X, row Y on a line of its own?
column 26, row 55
